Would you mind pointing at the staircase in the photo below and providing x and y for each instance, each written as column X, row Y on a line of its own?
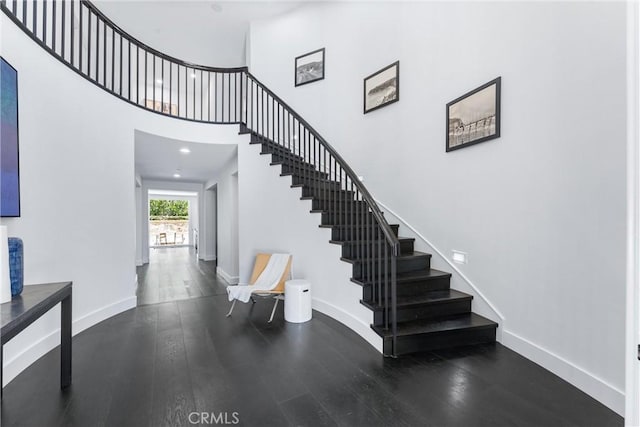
column 430, row 315
column 414, row 309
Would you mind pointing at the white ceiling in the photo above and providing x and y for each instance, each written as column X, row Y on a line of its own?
column 158, row 158
column 204, row 32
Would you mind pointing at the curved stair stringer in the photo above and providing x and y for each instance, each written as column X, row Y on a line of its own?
column 273, row 218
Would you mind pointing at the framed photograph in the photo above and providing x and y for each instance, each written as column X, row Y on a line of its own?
column 382, row 88
column 9, row 153
column 474, row 117
column 309, row 67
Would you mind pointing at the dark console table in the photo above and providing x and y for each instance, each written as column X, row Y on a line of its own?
column 25, row 309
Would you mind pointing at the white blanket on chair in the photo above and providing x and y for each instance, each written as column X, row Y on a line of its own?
column 268, row 279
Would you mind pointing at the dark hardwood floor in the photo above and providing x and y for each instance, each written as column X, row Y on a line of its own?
column 159, row 365
column 174, row 273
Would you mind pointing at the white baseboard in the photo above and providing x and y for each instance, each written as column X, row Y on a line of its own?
column 575, row 375
column 589, row 383
column 232, row 280
column 139, row 263
column 208, row 258
column 25, row 358
column 353, row 323
column 97, row 316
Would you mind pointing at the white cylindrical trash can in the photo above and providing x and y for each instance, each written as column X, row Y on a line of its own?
column 297, row 301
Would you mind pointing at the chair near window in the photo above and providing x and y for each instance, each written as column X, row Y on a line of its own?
column 161, row 237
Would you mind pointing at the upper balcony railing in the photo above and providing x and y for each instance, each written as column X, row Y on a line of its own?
column 82, row 38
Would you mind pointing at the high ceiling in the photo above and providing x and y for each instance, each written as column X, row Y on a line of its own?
column 159, row 158
column 202, row 32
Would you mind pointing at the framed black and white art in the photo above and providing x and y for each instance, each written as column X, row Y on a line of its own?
column 474, row 117
column 382, row 87
column 309, row 67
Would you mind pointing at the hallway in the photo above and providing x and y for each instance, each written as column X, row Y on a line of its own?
column 174, row 273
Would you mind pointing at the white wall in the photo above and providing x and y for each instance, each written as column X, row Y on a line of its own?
column 274, row 219
column 632, row 373
column 540, row 211
column 139, row 221
column 227, row 201
column 78, row 202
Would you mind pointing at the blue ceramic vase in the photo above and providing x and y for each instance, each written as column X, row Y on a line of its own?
column 16, row 265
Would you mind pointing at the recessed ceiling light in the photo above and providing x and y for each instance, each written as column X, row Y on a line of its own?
column 176, row 175
column 185, row 150
column 159, row 81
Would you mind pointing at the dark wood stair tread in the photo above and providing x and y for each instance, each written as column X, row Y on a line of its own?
column 414, row 276
column 334, row 184
column 431, row 326
column 294, row 165
column 414, row 254
column 325, row 211
column 354, row 242
column 351, row 226
column 428, row 298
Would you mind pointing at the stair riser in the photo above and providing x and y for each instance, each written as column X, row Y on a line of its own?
column 349, row 234
column 289, row 158
column 315, row 187
column 440, row 340
column 302, row 170
column 316, row 180
column 343, row 204
column 325, row 192
column 327, row 196
column 277, row 150
column 280, row 152
column 427, row 311
column 409, row 289
column 270, row 142
column 354, row 251
column 344, row 219
column 403, row 265
column 255, row 139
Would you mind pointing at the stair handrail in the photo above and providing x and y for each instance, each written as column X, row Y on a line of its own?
column 388, row 232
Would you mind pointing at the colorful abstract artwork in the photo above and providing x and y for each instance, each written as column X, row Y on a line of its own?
column 9, row 157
